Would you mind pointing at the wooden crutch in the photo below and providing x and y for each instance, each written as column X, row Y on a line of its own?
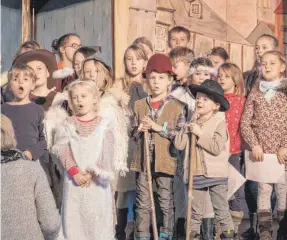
column 149, row 178
column 192, row 167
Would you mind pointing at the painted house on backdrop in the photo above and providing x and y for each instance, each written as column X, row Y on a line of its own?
column 232, row 24
column 281, row 25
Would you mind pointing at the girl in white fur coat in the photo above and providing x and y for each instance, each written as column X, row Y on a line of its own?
column 86, row 146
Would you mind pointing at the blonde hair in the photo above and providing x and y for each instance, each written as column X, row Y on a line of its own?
column 236, row 75
column 140, row 54
column 143, row 40
column 8, row 140
column 280, row 57
column 83, row 83
column 18, row 68
column 181, row 54
column 104, row 73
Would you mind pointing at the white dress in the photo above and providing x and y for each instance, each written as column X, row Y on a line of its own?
column 87, row 213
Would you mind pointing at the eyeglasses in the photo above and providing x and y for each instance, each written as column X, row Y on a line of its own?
column 74, row 45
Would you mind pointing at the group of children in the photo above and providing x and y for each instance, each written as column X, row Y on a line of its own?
column 88, row 132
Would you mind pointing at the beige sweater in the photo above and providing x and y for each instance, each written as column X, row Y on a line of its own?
column 212, row 148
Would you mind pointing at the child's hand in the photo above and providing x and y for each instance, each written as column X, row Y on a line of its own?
column 125, row 99
column 143, row 127
column 195, row 129
column 28, row 154
column 154, row 126
column 89, row 178
column 80, row 178
column 257, row 153
column 282, row 155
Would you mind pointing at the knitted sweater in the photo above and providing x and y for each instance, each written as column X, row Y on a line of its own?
column 28, row 209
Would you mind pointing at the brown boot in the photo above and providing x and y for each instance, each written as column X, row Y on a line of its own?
column 265, row 224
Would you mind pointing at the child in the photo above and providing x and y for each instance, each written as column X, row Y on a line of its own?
column 99, row 72
column 263, row 44
column 181, row 57
column 212, row 149
column 26, row 116
column 87, row 213
column 231, row 80
column 218, row 56
column 127, row 90
column 66, row 47
column 79, row 56
column 163, row 116
column 178, row 36
column 135, row 61
column 263, row 127
column 201, row 69
column 44, row 64
column 146, row 44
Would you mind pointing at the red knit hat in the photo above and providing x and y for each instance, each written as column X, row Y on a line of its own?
column 159, row 63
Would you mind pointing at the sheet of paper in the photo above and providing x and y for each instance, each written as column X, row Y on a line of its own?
column 235, row 180
column 268, row 171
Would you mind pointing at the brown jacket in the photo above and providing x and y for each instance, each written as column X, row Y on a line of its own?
column 165, row 153
column 212, row 148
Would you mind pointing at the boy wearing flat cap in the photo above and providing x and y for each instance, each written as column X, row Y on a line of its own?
column 162, row 116
column 212, row 154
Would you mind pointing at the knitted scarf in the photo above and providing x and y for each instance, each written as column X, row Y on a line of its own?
column 269, row 89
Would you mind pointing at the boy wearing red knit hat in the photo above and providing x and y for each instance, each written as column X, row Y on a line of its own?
column 162, row 116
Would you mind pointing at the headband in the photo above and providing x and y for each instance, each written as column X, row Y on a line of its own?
column 210, row 70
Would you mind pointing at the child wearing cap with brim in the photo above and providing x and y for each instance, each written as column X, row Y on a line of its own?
column 44, row 64
column 212, row 154
column 162, row 116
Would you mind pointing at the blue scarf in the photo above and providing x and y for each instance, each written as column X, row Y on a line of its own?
column 269, row 89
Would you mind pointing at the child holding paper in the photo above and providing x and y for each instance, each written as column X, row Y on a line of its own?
column 263, row 127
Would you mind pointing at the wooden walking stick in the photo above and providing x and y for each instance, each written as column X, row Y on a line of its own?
column 149, row 178
column 192, row 167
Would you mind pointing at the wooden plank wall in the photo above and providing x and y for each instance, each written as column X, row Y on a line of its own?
column 10, row 35
column 92, row 20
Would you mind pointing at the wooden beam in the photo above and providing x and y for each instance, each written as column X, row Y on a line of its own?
column 120, row 34
column 26, row 21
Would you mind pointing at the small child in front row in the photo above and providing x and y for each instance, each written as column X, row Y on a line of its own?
column 264, row 129
column 212, row 154
column 163, row 117
column 85, row 144
column 231, row 80
column 26, row 116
